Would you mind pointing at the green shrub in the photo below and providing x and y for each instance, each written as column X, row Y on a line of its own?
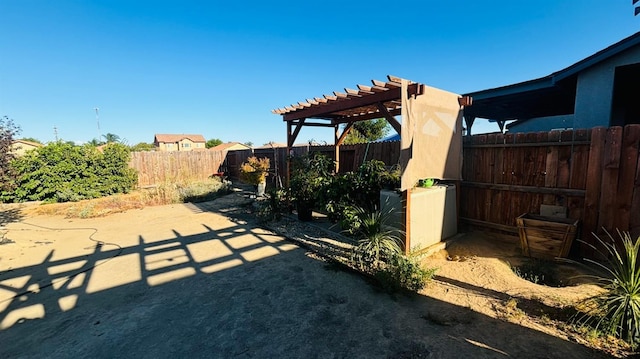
column 360, row 188
column 310, row 174
column 274, row 206
column 404, row 272
column 61, row 172
column 617, row 310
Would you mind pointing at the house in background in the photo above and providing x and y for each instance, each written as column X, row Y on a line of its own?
column 167, row 142
column 600, row 90
column 20, row 147
column 230, row 146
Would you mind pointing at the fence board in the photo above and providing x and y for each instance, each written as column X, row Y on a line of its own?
column 160, row 167
column 610, row 173
column 627, row 176
column 634, row 220
column 594, row 173
column 592, row 186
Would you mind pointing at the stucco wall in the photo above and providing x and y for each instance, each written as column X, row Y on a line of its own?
column 594, row 92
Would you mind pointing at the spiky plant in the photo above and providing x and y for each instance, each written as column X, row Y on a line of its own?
column 617, row 310
column 377, row 242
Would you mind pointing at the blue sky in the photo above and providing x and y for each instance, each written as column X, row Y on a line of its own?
column 219, row 68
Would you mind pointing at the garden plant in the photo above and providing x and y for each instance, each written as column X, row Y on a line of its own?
column 616, row 311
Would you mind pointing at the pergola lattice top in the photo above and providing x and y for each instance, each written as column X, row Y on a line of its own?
column 381, row 100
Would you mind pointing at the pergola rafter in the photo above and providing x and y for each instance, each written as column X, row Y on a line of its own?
column 383, row 99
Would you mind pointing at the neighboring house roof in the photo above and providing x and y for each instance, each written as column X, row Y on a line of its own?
column 169, row 138
column 228, row 145
column 20, row 147
column 394, row 137
column 28, row 143
column 546, row 96
column 273, row 145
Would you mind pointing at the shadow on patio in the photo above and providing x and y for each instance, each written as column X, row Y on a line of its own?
column 234, row 290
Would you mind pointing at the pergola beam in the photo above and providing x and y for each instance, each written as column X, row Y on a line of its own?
column 392, row 120
column 291, row 139
column 368, row 116
column 343, row 136
column 334, row 105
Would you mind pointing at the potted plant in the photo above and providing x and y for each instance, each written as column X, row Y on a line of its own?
column 308, row 176
column 254, row 171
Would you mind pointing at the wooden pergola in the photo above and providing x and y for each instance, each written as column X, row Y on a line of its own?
column 380, row 100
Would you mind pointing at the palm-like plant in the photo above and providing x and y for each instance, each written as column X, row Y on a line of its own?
column 617, row 310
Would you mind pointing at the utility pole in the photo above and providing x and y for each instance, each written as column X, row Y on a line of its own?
column 98, row 122
column 55, row 132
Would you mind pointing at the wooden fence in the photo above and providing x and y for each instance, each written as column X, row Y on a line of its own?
column 161, row 167
column 351, row 157
column 594, row 173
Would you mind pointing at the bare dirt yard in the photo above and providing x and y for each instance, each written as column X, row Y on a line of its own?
column 207, row 280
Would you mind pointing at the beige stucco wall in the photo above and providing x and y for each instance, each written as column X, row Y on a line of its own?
column 183, row 145
column 431, row 139
column 19, row 148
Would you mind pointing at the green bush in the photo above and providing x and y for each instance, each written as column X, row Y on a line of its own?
column 274, row 206
column 360, row 188
column 310, row 174
column 404, row 272
column 617, row 310
column 62, row 172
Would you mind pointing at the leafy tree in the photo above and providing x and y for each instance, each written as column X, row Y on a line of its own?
column 213, row 142
column 367, row 131
column 248, row 144
column 8, row 130
column 143, row 146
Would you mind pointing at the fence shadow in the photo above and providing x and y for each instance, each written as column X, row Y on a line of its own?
column 233, row 289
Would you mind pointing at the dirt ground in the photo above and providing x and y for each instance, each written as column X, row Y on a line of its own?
column 205, row 280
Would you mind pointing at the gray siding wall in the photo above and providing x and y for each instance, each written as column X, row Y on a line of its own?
column 594, row 92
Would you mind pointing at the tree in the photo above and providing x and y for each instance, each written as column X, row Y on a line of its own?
column 8, row 131
column 367, row 131
column 111, row 137
column 143, row 146
column 213, row 142
column 248, row 144
column 95, row 142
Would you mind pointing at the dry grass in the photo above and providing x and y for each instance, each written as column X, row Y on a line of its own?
column 163, row 194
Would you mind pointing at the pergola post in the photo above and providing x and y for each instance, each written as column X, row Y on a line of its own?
column 336, row 147
column 468, row 120
column 289, row 144
column 390, row 119
column 501, row 125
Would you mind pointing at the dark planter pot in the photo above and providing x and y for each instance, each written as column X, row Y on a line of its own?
column 305, row 212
